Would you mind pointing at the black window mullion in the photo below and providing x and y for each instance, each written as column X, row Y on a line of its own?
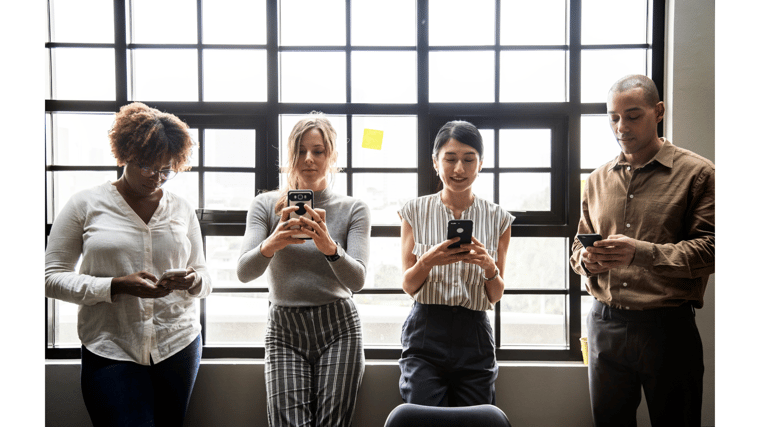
column 120, row 51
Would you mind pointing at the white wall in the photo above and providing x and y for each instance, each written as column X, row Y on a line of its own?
column 230, row 393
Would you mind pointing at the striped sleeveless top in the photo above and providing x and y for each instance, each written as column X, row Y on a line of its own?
column 457, row 284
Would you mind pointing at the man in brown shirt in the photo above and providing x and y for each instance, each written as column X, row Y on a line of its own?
column 654, row 206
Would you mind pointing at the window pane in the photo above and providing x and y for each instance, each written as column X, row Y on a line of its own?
column 70, row 25
column 164, row 74
column 235, row 75
column 185, row 184
column 62, row 185
column 483, row 186
column 488, row 147
column 462, row 77
column 451, row 24
column 234, row 21
column 230, row 147
column 222, row 253
column 533, row 22
column 532, row 76
column 384, row 77
column 602, row 23
column 73, row 81
column 229, row 190
column 525, row 270
column 193, row 162
column 399, row 142
column 600, row 69
column 66, row 334
column 525, row 191
column 81, row 139
column 598, row 144
column 584, row 177
column 384, row 269
column 163, row 21
column 520, row 148
column 385, row 23
column 313, row 77
column 382, row 317
column 312, row 23
column 385, row 194
column 533, row 320
column 586, row 302
column 236, row 318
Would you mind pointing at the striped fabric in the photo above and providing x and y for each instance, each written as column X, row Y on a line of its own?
column 457, row 284
column 314, row 364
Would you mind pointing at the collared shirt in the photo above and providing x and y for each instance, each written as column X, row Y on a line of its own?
column 669, row 206
column 113, row 241
column 457, row 284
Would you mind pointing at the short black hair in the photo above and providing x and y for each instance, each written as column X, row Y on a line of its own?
column 633, row 81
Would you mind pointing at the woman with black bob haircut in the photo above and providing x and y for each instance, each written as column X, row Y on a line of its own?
column 140, row 333
column 448, row 353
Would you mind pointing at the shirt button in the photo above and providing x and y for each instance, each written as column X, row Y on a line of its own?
column 628, row 168
column 631, row 196
column 628, row 226
column 625, row 285
column 628, row 308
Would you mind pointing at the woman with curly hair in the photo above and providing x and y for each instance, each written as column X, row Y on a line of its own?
column 314, row 355
column 140, row 334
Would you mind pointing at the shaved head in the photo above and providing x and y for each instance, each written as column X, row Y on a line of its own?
column 634, row 81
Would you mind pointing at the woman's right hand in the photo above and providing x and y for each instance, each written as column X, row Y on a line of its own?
column 282, row 235
column 141, row 284
column 441, row 254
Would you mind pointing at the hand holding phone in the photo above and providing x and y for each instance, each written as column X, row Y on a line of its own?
column 588, row 239
column 172, row 272
column 461, row 228
column 300, row 198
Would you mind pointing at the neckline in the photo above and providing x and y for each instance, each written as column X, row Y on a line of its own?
column 450, row 212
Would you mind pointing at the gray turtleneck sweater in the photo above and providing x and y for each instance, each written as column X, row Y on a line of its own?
column 300, row 275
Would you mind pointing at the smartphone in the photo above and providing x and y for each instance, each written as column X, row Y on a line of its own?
column 461, row 228
column 173, row 272
column 588, row 239
column 300, row 198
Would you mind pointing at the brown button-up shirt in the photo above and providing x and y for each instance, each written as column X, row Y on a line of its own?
column 668, row 205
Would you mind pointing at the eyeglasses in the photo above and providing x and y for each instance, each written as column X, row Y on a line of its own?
column 164, row 175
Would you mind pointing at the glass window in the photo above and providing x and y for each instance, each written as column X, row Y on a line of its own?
column 532, row 76
column 72, row 81
column 600, row 69
column 163, row 21
column 309, row 77
column 230, row 147
column 80, row 139
column 313, row 23
column 533, row 320
column 234, row 21
column 395, row 148
column 525, row 148
column 598, row 144
column 451, row 24
column 462, row 76
column 525, row 191
column 604, row 26
column 236, row 318
column 164, row 75
column 383, row 23
column 234, row 75
column 70, row 25
column 385, row 193
column 533, row 22
column 528, row 271
column 384, row 77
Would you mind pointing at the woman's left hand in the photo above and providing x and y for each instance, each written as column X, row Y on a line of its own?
column 183, row 283
column 316, row 228
column 479, row 256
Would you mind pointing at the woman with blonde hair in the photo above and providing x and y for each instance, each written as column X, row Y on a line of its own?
column 141, row 344
column 314, row 355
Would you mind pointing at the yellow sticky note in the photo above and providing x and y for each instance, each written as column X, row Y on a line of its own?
column 372, row 139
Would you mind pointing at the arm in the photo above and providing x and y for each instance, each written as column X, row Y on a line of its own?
column 579, row 261
column 351, row 268
column 494, row 288
column 61, row 255
column 416, row 270
column 201, row 281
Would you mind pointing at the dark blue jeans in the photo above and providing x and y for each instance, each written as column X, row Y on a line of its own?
column 119, row 393
column 659, row 350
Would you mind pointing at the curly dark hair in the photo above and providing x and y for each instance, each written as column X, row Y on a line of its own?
column 144, row 135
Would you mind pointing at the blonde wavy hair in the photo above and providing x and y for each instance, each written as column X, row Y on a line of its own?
column 318, row 121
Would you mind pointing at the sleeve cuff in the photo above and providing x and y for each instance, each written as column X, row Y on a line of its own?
column 644, row 256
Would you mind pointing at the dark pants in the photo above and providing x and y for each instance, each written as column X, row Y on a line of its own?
column 447, row 353
column 119, row 393
column 659, row 350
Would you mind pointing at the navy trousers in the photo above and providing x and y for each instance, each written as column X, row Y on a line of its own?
column 119, row 393
column 448, row 357
column 659, row 350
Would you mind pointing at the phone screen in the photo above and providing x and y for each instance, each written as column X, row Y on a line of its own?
column 461, row 228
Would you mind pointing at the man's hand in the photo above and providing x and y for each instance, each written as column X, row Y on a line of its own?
column 613, row 252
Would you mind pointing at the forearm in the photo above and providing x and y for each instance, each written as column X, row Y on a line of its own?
column 415, row 276
column 685, row 259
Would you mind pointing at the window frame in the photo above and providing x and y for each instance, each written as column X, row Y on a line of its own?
column 264, row 117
